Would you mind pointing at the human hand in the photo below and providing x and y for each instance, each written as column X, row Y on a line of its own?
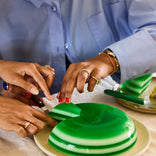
column 21, row 118
column 19, row 93
column 77, row 74
column 14, row 73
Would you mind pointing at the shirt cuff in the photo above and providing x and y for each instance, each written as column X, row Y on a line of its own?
column 136, row 55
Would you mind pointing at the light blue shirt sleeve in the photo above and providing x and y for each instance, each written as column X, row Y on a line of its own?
column 44, row 31
column 137, row 53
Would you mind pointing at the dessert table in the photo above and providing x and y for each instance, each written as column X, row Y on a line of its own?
column 13, row 145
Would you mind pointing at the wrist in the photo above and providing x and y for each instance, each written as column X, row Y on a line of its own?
column 112, row 58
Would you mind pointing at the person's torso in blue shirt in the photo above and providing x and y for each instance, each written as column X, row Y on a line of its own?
column 43, row 31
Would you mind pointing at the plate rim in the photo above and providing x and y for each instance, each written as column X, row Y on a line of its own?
column 132, row 106
column 137, row 124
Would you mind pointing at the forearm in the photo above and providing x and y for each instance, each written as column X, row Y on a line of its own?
column 137, row 53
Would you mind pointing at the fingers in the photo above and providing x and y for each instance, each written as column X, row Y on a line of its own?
column 31, row 129
column 79, row 73
column 44, row 117
column 37, row 118
column 23, row 131
column 81, row 80
column 49, row 74
column 35, row 124
column 19, row 126
column 24, row 128
column 21, row 118
column 17, row 93
column 19, row 81
column 39, row 79
column 76, row 76
column 69, row 82
column 42, row 76
column 83, row 77
column 19, row 130
column 94, row 79
column 46, row 81
column 15, row 72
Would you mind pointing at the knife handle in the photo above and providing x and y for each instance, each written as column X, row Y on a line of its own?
column 37, row 100
column 124, row 96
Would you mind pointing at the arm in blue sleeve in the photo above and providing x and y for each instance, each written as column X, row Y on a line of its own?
column 137, row 53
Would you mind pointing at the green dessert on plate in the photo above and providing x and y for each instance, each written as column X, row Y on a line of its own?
column 137, row 86
column 98, row 129
column 64, row 111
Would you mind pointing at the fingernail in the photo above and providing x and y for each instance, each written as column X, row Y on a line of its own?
column 28, row 95
column 34, row 91
column 67, row 100
column 60, row 100
column 80, row 92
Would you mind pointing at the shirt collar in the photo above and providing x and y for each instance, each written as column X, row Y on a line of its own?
column 37, row 3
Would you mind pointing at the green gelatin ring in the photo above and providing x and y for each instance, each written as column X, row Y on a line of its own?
column 98, row 125
column 98, row 129
column 97, row 135
column 94, row 149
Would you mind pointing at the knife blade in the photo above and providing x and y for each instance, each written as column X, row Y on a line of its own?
column 37, row 100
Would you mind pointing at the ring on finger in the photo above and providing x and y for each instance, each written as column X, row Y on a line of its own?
column 85, row 71
column 26, row 125
column 47, row 66
column 98, row 80
column 5, row 86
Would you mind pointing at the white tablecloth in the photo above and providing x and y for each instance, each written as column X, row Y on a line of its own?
column 13, row 145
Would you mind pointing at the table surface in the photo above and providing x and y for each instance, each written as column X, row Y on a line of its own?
column 13, row 145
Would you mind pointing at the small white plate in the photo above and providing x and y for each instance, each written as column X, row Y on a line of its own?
column 142, row 143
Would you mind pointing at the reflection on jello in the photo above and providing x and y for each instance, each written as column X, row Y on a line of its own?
column 100, row 129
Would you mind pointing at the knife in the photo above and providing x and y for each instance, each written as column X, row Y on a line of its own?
column 39, row 103
column 127, row 97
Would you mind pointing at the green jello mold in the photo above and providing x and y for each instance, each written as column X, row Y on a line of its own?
column 99, row 129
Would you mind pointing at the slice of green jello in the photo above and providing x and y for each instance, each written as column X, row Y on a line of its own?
column 64, row 110
column 137, row 86
column 100, row 129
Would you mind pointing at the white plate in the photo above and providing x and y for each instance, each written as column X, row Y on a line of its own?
column 142, row 143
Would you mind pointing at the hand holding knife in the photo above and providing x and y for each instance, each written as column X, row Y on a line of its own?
column 37, row 100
